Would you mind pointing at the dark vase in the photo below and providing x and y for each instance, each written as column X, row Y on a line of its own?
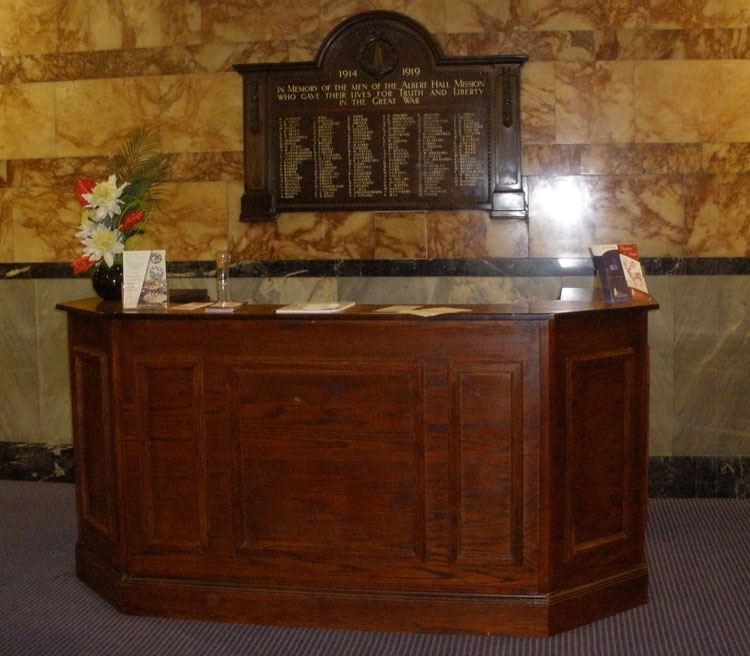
column 107, row 282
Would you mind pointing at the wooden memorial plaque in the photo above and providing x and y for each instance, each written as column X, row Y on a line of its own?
column 382, row 119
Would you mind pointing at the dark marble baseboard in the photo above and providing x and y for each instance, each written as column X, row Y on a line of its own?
column 720, row 477
column 21, row 461
column 353, row 268
column 669, row 477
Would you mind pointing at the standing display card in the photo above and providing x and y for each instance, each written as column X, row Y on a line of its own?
column 620, row 272
column 144, row 280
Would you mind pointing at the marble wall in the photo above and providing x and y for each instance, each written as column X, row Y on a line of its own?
column 635, row 123
column 635, row 128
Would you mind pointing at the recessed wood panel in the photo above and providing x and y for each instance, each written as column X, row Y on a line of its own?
column 330, row 457
column 598, row 444
column 487, row 451
column 93, row 441
column 172, row 446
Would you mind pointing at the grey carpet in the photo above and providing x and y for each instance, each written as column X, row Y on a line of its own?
column 699, row 560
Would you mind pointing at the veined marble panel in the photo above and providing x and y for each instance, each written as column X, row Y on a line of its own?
column 26, row 128
column 702, row 214
column 637, row 14
column 537, row 103
column 25, row 27
column 301, row 235
column 594, row 102
column 695, row 365
column 455, row 289
column 93, row 117
column 640, row 159
column 400, row 235
column 472, row 43
column 662, row 383
column 660, row 44
column 250, row 241
column 733, row 81
column 352, row 235
column 19, row 375
column 611, row 159
column 484, row 15
column 731, row 13
column 6, row 224
column 200, row 113
column 474, row 234
column 236, row 20
column 677, row 101
column 44, row 224
column 59, row 172
column 733, row 226
column 292, row 290
column 733, row 363
column 430, row 13
column 191, row 222
column 587, row 14
column 52, row 352
column 726, row 157
column 551, row 46
column 143, row 23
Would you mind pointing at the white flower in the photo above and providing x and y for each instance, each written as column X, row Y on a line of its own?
column 102, row 243
column 104, row 198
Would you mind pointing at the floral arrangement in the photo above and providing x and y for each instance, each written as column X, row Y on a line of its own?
column 116, row 210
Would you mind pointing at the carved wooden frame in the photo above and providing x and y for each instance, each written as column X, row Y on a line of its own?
column 369, row 43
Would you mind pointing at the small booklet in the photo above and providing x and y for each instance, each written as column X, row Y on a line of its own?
column 314, row 308
column 420, row 311
column 225, row 306
column 189, row 307
column 620, row 273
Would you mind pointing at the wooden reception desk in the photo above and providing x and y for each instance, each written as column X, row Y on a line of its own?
column 479, row 472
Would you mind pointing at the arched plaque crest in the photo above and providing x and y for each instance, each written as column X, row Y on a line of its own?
column 381, row 119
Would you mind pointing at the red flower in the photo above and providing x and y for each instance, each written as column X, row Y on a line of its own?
column 81, row 264
column 84, row 186
column 132, row 218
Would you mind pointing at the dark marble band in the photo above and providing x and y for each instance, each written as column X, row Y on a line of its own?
column 682, row 476
column 488, row 267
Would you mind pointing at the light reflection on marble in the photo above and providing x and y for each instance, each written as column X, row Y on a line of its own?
column 573, row 212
